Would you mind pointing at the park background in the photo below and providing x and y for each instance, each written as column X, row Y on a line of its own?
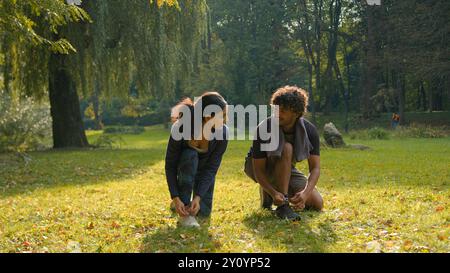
column 85, row 98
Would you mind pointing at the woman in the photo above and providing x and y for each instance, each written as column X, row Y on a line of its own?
column 192, row 163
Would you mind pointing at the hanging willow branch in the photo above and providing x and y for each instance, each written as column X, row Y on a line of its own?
column 150, row 44
column 143, row 42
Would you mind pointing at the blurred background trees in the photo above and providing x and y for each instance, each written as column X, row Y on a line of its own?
column 110, row 62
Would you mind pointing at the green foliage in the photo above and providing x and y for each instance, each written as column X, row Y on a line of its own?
column 108, row 141
column 152, row 45
column 250, row 54
column 135, row 130
column 24, row 125
column 410, row 131
column 143, row 45
column 22, row 19
column 160, row 3
column 372, row 133
column 30, row 31
column 378, row 133
column 421, row 131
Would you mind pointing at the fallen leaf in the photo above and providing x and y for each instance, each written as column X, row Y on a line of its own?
column 74, row 247
column 388, row 222
column 407, row 245
column 374, row 247
column 389, row 244
column 439, row 208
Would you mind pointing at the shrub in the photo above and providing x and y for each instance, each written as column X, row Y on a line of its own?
column 24, row 124
column 134, row 130
column 421, row 131
column 108, row 141
column 377, row 133
column 373, row 133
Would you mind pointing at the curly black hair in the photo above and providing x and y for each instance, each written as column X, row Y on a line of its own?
column 292, row 98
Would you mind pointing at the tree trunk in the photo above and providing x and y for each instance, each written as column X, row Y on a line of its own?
column 7, row 64
column 306, row 43
column 318, row 5
column 401, row 99
column 96, row 107
column 370, row 71
column 347, row 90
column 423, row 106
column 309, row 59
column 334, row 14
column 311, row 94
column 68, row 129
column 430, row 96
column 344, row 91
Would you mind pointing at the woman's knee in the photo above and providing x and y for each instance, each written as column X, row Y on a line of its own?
column 188, row 164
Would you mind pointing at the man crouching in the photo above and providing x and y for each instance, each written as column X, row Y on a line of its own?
column 280, row 182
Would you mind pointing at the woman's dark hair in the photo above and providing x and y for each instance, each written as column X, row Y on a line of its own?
column 213, row 98
column 292, row 98
column 208, row 98
column 176, row 110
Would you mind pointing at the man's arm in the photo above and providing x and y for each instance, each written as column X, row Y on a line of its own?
column 314, row 174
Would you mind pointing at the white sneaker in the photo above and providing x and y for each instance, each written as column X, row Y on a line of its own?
column 189, row 221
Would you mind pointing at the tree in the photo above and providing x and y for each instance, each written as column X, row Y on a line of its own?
column 257, row 53
column 141, row 39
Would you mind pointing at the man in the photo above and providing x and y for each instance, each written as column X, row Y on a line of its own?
column 280, row 182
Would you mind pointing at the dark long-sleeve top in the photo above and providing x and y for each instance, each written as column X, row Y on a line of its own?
column 206, row 174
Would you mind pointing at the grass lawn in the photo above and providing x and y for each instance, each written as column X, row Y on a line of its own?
column 393, row 198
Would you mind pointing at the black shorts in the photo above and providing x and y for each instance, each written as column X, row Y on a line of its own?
column 297, row 182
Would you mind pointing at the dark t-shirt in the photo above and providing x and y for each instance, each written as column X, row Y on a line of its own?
column 313, row 136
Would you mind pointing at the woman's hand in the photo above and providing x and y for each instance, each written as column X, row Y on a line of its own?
column 180, row 207
column 195, row 206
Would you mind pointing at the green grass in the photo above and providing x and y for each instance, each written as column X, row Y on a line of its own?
column 393, row 198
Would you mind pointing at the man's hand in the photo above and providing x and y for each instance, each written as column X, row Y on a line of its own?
column 299, row 200
column 278, row 198
column 195, row 206
column 180, row 207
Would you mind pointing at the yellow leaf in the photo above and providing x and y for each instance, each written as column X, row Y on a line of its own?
column 90, row 225
column 407, row 245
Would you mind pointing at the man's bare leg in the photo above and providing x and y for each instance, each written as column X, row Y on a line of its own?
column 315, row 201
column 282, row 169
column 282, row 173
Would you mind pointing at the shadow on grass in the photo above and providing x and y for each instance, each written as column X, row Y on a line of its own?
column 181, row 240
column 59, row 168
column 298, row 236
